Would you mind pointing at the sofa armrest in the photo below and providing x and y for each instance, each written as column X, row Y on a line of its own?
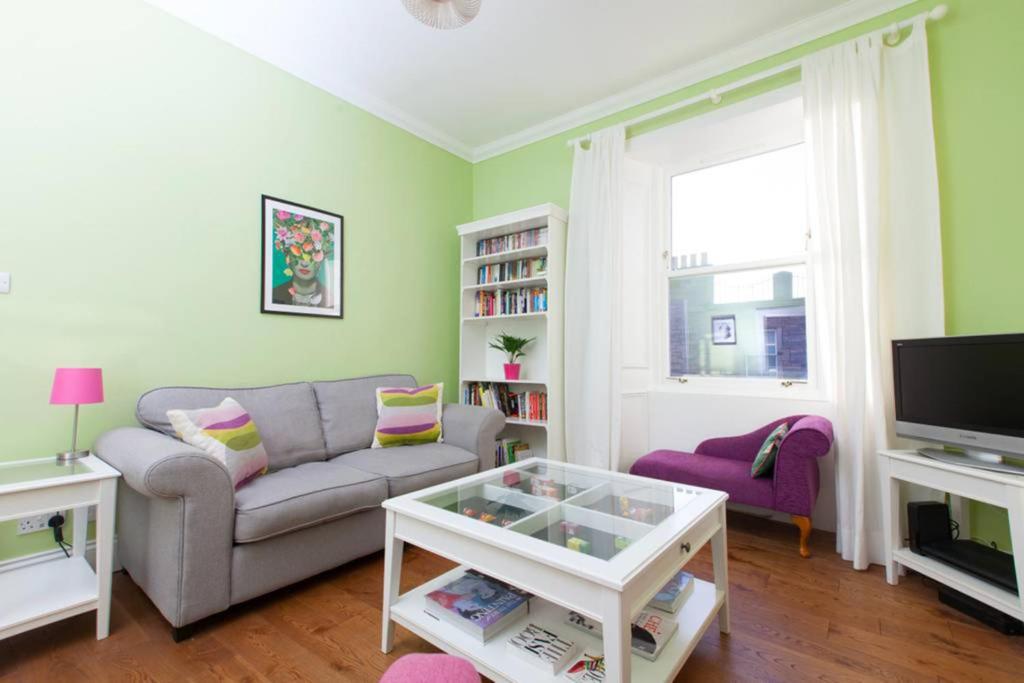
column 158, row 466
column 473, row 428
column 176, row 521
column 796, row 478
column 743, row 447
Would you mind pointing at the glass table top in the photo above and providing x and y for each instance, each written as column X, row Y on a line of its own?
column 34, row 470
column 588, row 511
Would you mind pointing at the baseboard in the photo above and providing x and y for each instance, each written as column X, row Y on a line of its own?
column 55, row 554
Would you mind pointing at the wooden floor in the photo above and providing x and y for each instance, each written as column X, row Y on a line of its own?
column 792, row 620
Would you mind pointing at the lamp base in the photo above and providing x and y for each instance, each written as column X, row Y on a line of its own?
column 70, row 456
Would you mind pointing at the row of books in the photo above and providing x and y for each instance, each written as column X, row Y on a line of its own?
column 512, row 270
column 482, row 606
column 522, row 405
column 509, row 451
column 517, row 240
column 511, row 302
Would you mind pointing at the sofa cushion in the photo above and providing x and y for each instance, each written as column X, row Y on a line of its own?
column 722, row 474
column 410, row 468
column 302, row 496
column 286, row 416
column 348, row 409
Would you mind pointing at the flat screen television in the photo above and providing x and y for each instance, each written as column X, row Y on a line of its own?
column 962, row 391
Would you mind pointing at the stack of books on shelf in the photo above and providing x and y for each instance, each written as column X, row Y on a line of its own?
column 517, row 240
column 510, row 451
column 521, row 405
column 478, row 604
column 651, row 629
column 512, row 270
column 511, row 302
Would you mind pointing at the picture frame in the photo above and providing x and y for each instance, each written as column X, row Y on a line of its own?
column 301, row 259
column 723, row 330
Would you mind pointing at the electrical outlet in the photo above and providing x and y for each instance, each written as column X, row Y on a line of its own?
column 30, row 525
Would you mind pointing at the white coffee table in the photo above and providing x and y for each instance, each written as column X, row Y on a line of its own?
column 609, row 584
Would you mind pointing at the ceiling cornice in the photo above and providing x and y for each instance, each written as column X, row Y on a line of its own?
column 836, row 19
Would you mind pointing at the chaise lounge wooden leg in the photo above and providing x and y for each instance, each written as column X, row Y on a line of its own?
column 804, row 524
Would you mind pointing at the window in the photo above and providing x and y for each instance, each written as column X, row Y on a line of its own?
column 737, row 267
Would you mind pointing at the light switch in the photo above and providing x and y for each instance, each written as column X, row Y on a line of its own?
column 5, row 283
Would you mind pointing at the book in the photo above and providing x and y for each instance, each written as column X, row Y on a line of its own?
column 650, row 631
column 543, row 648
column 477, row 604
column 588, row 667
column 673, row 593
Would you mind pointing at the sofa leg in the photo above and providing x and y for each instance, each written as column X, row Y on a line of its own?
column 180, row 633
column 804, row 524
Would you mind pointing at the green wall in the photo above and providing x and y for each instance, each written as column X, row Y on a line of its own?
column 977, row 62
column 133, row 153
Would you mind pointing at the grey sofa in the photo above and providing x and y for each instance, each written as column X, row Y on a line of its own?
column 196, row 546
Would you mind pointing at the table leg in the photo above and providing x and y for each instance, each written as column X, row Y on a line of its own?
column 720, row 559
column 104, row 552
column 393, row 548
column 80, row 530
column 890, row 521
column 617, row 637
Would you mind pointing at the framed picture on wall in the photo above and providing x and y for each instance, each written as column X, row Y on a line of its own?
column 723, row 329
column 302, row 250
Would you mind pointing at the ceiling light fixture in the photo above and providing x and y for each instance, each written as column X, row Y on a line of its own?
column 443, row 14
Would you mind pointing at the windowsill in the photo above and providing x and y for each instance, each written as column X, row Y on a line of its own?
column 709, row 386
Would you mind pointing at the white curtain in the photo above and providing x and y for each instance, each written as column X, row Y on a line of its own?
column 593, row 284
column 876, row 249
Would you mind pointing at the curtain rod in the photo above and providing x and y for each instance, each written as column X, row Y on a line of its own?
column 714, row 95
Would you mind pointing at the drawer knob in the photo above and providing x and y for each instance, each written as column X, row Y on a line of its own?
column 685, row 547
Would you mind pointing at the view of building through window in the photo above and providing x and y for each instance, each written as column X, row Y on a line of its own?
column 746, row 219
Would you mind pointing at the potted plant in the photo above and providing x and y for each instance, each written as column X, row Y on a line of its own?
column 512, row 347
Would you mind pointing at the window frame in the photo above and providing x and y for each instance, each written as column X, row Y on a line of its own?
column 809, row 389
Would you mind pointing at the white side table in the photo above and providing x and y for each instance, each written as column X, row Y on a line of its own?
column 56, row 589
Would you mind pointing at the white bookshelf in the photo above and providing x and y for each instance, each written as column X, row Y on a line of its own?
column 542, row 365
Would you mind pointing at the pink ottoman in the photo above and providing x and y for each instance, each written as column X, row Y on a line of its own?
column 437, row 668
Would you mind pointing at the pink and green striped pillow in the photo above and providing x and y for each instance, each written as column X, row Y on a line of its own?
column 225, row 433
column 408, row 416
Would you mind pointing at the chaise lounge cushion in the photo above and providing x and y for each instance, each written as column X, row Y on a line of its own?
column 303, row 496
column 723, row 474
column 286, row 416
column 348, row 409
column 410, row 468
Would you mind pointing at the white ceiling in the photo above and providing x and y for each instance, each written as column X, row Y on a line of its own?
column 523, row 69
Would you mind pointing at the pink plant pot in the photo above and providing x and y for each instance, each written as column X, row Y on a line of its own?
column 512, row 370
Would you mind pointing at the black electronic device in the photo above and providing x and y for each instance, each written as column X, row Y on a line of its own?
column 931, row 535
column 990, row 616
column 927, row 522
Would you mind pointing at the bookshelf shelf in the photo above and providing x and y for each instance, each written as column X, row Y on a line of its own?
column 478, row 363
column 499, row 380
column 507, row 284
column 526, row 423
column 479, row 318
column 510, row 255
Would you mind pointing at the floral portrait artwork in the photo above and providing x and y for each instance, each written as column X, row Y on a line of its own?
column 302, row 271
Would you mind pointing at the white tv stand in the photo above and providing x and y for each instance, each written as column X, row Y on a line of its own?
column 995, row 488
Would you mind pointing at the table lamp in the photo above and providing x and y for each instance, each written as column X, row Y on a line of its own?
column 75, row 386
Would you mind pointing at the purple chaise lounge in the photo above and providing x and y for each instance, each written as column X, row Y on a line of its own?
column 724, row 464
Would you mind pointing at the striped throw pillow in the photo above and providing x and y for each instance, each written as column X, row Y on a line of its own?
column 408, row 417
column 226, row 433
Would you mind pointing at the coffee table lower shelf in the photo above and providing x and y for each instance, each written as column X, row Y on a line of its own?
column 493, row 659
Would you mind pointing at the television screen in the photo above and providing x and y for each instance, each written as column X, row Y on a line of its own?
column 962, row 383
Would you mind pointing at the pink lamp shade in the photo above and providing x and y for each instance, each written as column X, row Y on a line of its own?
column 77, row 386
